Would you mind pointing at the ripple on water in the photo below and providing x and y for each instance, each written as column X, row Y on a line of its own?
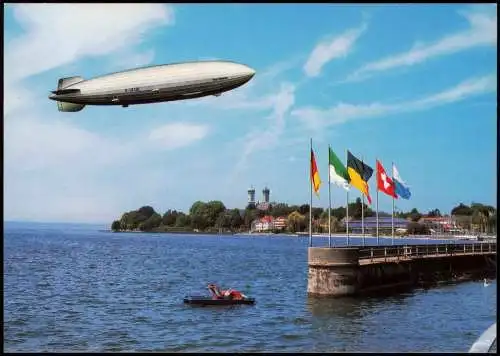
column 81, row 290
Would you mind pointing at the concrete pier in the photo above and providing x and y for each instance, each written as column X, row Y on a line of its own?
column 333, row 271
column 349, row 271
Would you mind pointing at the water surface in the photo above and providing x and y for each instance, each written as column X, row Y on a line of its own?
column 74, row 288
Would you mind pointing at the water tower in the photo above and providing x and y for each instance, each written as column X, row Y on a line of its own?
column 251, row 196
column 265, row 193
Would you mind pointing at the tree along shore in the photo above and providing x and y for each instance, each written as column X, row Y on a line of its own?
column 214, row 217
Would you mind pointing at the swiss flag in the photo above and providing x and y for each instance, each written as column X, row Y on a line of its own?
column 384, row 182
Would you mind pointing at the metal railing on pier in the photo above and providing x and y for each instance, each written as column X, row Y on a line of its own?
column 421, row 251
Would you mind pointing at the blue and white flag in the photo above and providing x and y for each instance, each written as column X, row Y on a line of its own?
column 401, row 189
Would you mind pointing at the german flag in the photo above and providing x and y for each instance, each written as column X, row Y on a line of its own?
column 315, row 180
column 359, row 173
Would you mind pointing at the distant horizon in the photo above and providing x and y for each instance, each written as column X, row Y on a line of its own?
column 53, row 222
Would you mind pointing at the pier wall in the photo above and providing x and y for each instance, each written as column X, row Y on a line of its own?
column 348, row 271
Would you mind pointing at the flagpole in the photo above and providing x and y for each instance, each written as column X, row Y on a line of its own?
column 311, row 195
column 347, row 216
column 377, row 207
column 347, row 206
column 392, row 224
column 329, row 203
column 363, row 218
column 363, row 211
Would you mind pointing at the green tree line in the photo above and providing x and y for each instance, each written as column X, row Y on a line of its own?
column 213, row 216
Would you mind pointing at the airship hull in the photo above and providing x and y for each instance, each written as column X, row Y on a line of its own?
column 152, row 84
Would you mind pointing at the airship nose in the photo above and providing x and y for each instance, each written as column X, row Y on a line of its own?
column 250, row 72
column 241, row 70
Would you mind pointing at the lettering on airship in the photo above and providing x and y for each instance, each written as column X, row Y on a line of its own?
column 221, row 78
column 130, row 90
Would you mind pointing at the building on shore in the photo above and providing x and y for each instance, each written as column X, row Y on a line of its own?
column 436, row 225
column 268, row 223
column 280, row 223
column 384, row 225
column 442, row 224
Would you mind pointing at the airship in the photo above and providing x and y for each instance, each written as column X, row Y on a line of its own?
column 152, row 84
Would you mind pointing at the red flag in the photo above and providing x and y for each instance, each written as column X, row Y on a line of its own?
column 316, row 181
column 384, row 182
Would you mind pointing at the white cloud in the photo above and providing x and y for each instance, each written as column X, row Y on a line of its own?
column 55, row 170
column 128, row 60
column 482, row 31
column 58, row 34
column 176, row 135
column 463, row 90
column 32, row 143
column 327, row 50
column 265, row 138
column 278, row 68
column 318, row 119
column 16, row 98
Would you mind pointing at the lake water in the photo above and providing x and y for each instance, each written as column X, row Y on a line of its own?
column 73, row 288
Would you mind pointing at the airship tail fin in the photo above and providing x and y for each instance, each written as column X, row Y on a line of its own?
column 62, row 84
column 69, row 107
column 66, row 82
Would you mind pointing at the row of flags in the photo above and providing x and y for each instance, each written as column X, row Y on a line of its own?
column 357, row 173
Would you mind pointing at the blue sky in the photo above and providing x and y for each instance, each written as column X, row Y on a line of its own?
column 413, row 84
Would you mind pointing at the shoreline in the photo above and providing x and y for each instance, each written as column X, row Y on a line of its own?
column 170, row 232
column 294, row 235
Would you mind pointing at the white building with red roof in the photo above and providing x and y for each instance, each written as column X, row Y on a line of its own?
column 268, row 223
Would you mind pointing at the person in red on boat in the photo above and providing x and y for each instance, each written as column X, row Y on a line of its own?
column 233, row 294
column 225, row 294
